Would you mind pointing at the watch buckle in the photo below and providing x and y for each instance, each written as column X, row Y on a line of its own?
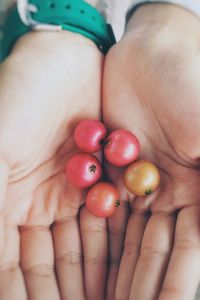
column 25, row 9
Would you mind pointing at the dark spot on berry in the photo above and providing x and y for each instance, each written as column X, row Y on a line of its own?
column 92, row 168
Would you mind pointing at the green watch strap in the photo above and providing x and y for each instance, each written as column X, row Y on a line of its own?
column 73, row 15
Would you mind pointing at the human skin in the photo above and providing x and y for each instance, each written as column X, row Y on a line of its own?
column 45, row 90
column 151, row 87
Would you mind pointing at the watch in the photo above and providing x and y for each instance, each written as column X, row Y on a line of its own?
column 72, row 15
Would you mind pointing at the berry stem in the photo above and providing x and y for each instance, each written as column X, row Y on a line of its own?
column 117, row 203
column 104, row 142
column 92, row 168
column 148, row 192
column 101, row 142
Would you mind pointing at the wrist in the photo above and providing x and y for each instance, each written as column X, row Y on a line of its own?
column 57, row 42
column 156, row 18
column 78, row 17
column 53, row 48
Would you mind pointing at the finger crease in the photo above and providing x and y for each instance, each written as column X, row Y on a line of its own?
column 147, row 254
column 65, row 220
column 31, row 229
column 95, row 261
column 95, row 229
column 70, row 258
column 42, row 270
column 186, row 245
column 130, row 249
column 11, row 266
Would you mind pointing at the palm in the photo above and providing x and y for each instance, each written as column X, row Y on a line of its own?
column 42, row 120
column 166, row 120
column 38, row 194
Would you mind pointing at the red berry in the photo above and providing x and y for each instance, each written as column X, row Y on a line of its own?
column 122, row 148
column 102, row 200
column 83, row 170
column 89, row 135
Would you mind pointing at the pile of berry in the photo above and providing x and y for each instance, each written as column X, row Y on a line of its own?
column 121, row 148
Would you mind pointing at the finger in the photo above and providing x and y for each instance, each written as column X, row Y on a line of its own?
column 116, row 229
column 183, row 273
column 11, row 279
column 37, row 263
column 68, row 253
column 133, row 241
column 95, row 251
column 154, row 257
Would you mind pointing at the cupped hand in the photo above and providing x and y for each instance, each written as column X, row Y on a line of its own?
column 48, row 83
column 151, row 87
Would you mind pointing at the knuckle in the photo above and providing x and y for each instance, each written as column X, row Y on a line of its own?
column 42, row 270
column 69, row 258
column 98, row 228
column 66, row 220
column 34, row 229
column 170, row 292
column 131, row 249
column 186, row 245
column 11, row 266
column 93, row 261
column 149, row 253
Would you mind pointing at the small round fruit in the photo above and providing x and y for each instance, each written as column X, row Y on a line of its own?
column 142, row 178
column 102, row 200
column 89, row 135
column 122, row 148
column 83, row 170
